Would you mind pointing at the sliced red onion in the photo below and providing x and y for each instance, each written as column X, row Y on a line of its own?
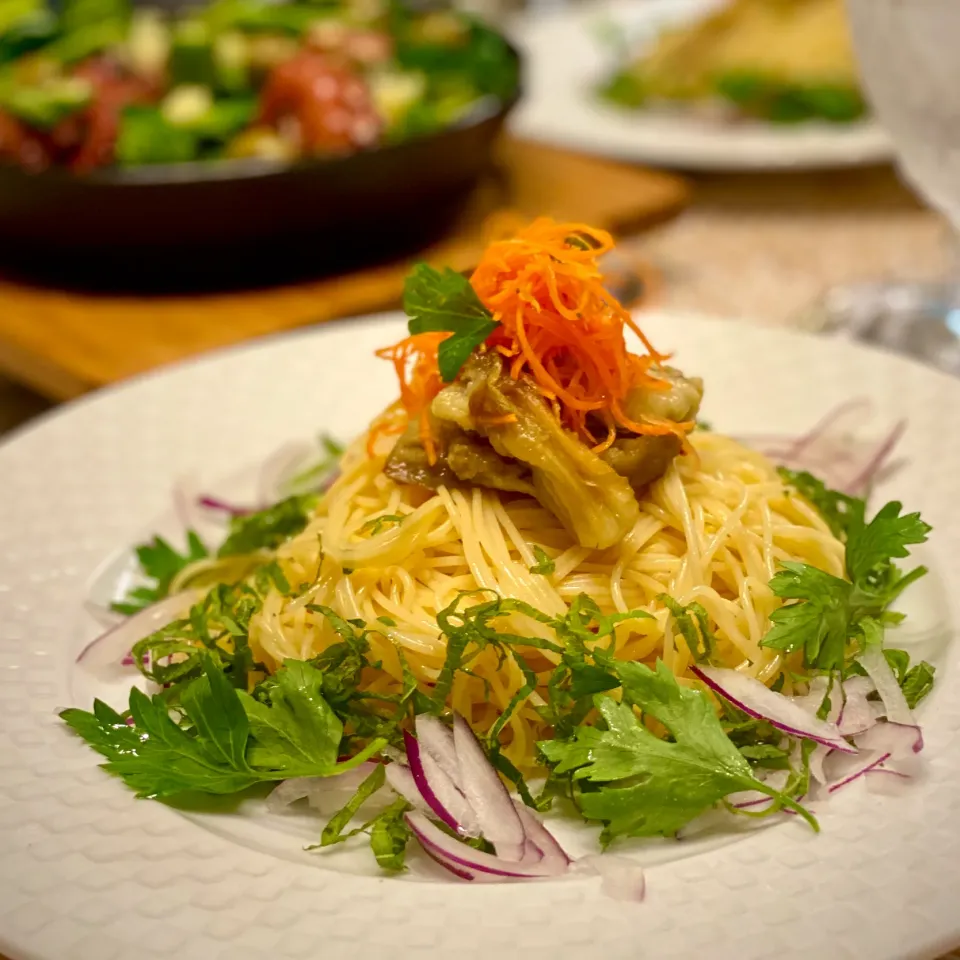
column 324, row 794
column 116, row 643
column 278, row 468
column 887, row 783
column 828, row 452
column 472, row 864
column 436, row 738
column 899, row 741
column 817, row 757
column 620, row 877
column 861, row 480
column 868, row 763
column 745, row 799
column 756, row 700
column 857, row 409
column 184, row 500
column 858, row 714
column 216, row 505
column 130, row 661
column 401, row 782
column 438, row 790
column 543, row 841
column 812, row 700
column 103, row 615
column 857, row 686
column 879, row 671
column 486, row 794
column 888, row 748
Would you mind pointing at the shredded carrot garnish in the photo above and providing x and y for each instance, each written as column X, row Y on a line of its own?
column 559, row 328
column 415, row 360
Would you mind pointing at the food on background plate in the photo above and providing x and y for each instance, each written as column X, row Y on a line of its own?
column 782, row 61
column 97, row 82
column 535, row 583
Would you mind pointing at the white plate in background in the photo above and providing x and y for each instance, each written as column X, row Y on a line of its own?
column 566, row 59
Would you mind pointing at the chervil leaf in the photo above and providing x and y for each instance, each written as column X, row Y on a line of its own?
column 160, row 563
column 445, row 301
column 545, row 565
column 267, row 529
column 640, row 784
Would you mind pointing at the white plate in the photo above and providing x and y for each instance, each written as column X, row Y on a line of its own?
column 566, row 60
column 89, row 873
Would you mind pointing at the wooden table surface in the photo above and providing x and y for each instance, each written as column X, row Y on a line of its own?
column 64, row 343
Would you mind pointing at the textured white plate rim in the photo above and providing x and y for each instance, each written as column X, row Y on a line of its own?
column 90, row 872
column 565, row 60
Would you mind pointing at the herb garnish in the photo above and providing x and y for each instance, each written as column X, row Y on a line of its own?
column 267, row 529
column 828, row 611
column 226, row 741
column 160, row 563
column 545, row 565
column 445, row 301
column 641, row 785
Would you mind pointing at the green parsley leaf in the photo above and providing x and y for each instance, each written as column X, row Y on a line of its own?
column 212, row 704
column 544, row 565
column 158, row 758
column 445, row 301
column 297, row 733
column 160, row 563
column 641, row 785
column 228, row 741
column 267, row 529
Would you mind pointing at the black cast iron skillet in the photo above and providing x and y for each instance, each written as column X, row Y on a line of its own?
column 242, row 222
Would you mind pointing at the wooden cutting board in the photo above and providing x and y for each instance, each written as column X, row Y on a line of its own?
column 62, row 343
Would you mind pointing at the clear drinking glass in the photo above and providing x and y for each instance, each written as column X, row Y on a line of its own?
column 910, row 69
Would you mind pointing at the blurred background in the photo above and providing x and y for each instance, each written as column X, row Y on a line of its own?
column 176, row 178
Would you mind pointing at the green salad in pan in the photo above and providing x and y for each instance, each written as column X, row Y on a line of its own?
column 93, row 83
